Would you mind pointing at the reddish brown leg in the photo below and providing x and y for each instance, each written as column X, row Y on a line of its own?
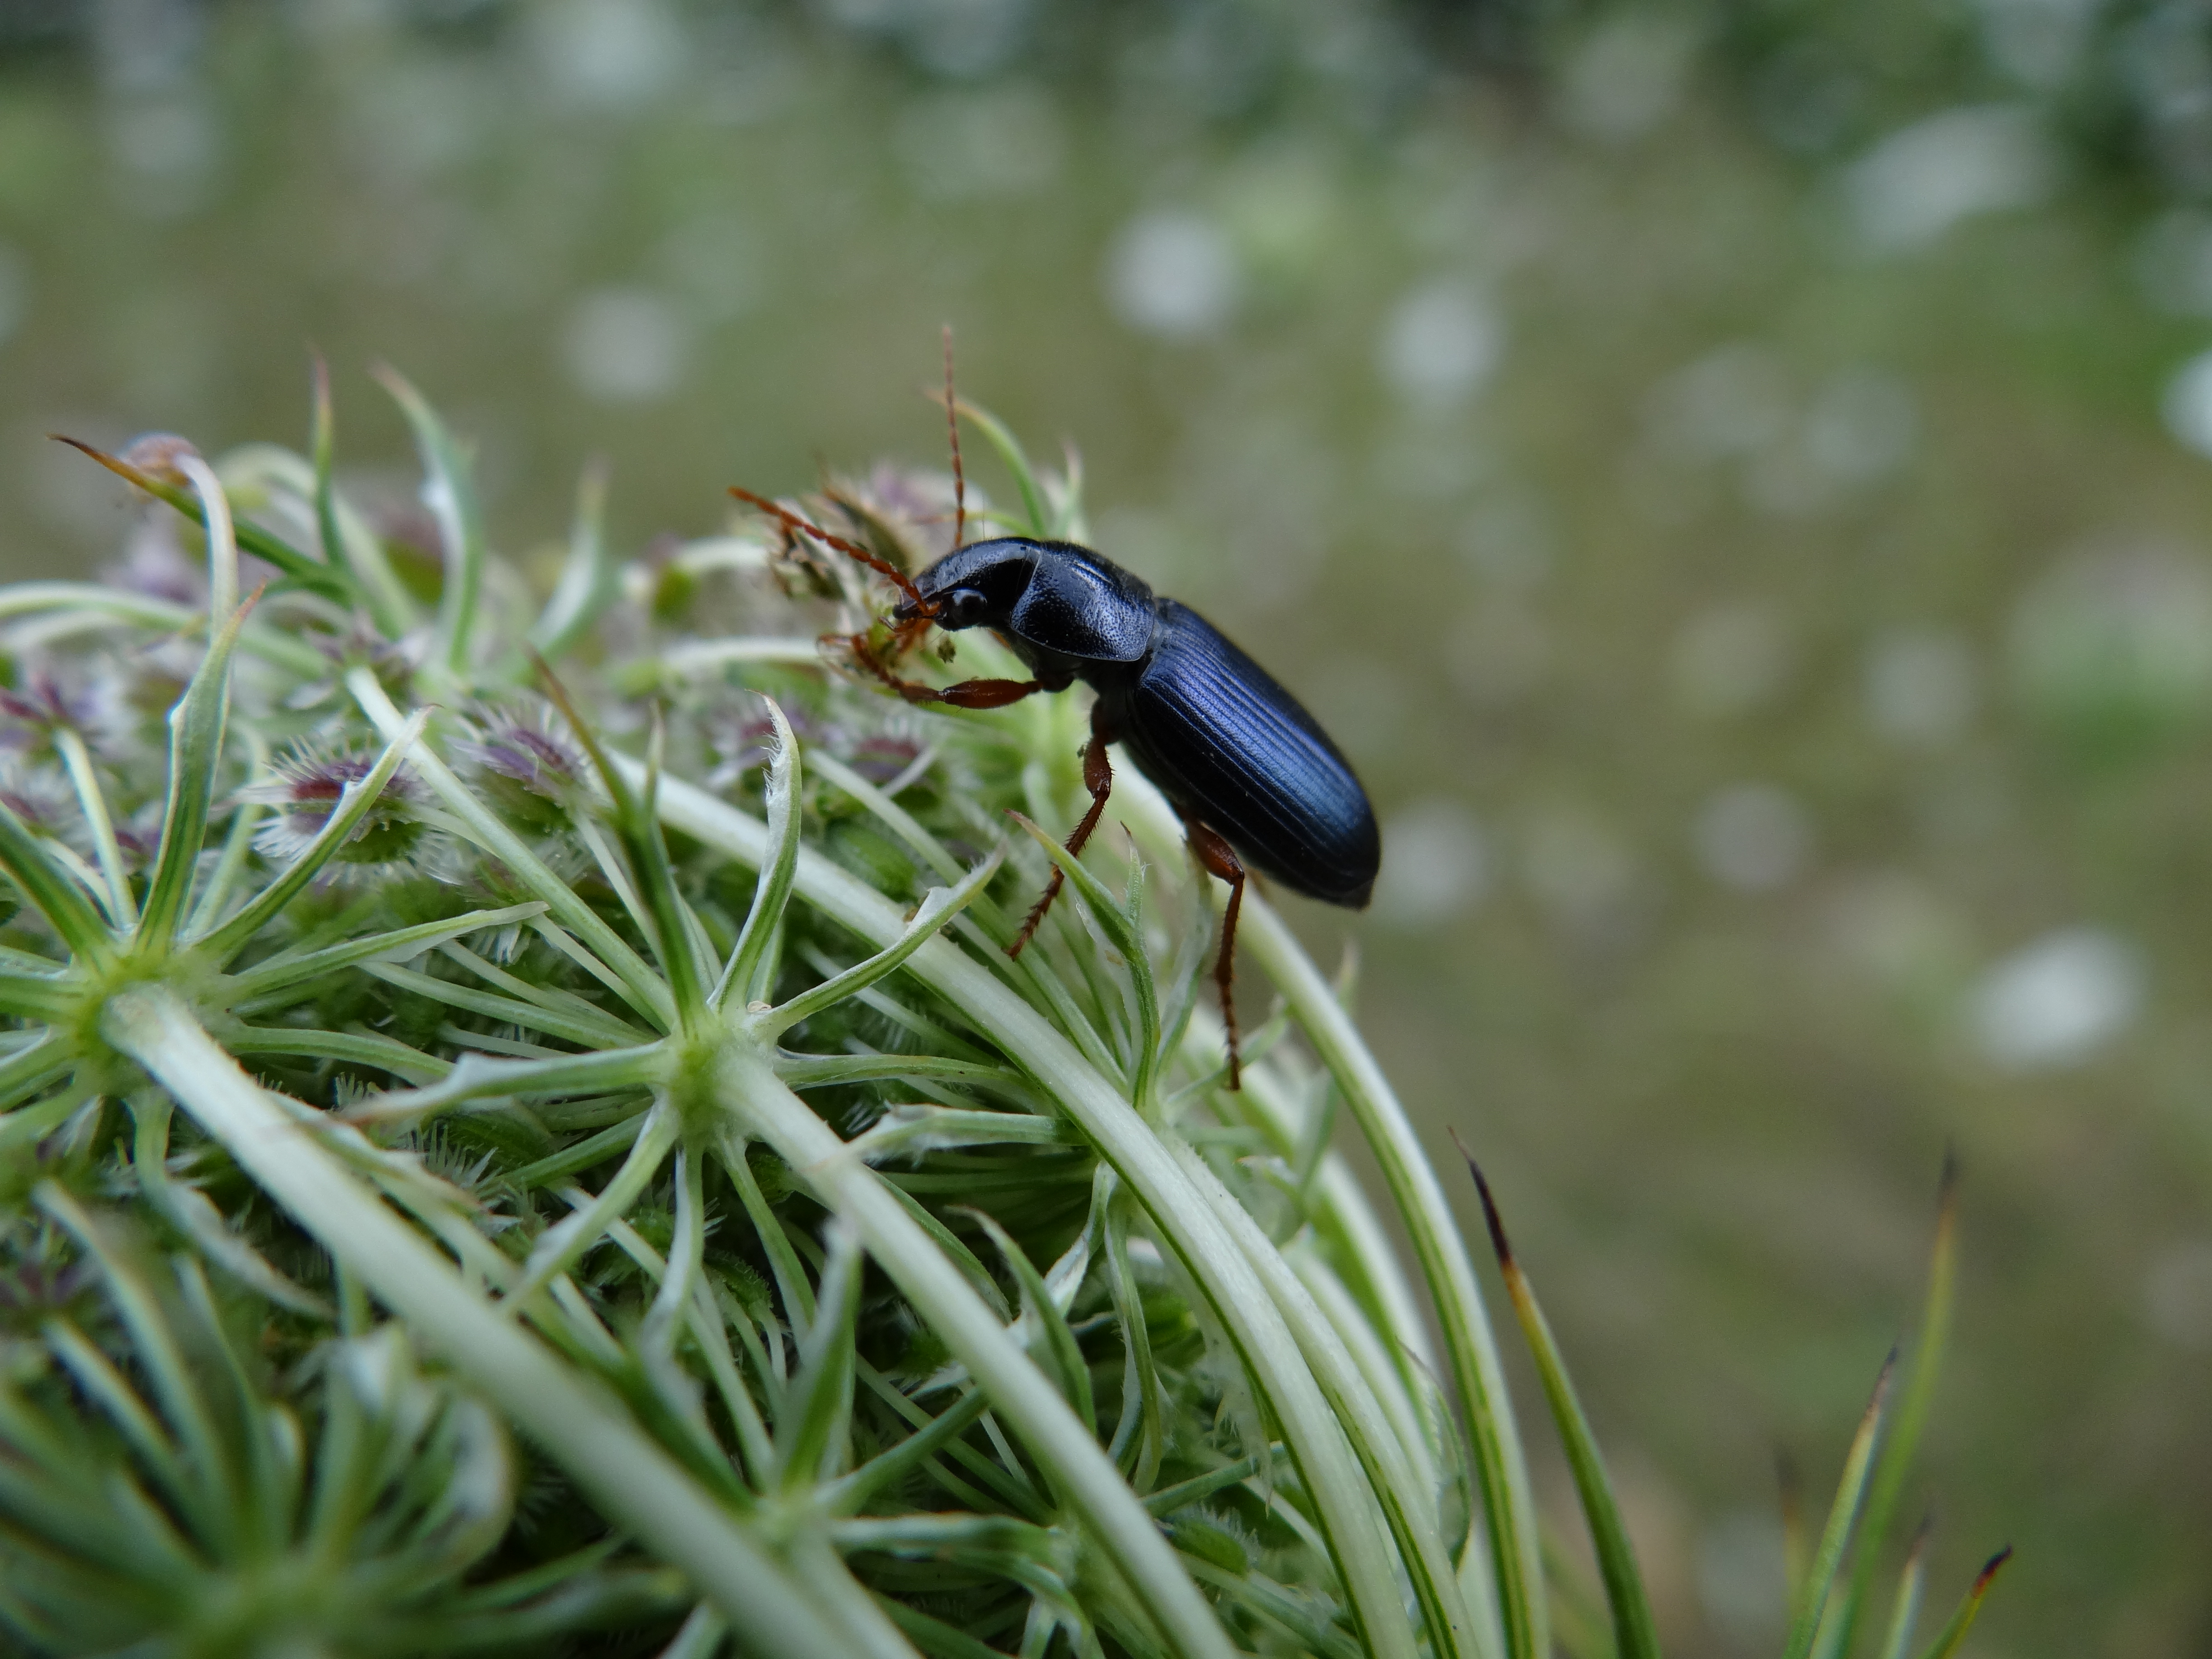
column 1098, row 779
column 866, row 656
column 1215, row 858
column 979, row 694
column 967, row 694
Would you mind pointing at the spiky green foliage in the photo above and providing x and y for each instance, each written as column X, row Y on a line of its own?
column 412, row 1041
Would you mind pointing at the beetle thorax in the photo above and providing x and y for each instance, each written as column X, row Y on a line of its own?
column 1056, row 604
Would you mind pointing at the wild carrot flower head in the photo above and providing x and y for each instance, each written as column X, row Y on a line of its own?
column 31, row 713
column 527, row 763
column 40, row 798
column 154, row 562
column 309, row 783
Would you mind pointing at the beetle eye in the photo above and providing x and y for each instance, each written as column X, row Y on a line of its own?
column 964, row 608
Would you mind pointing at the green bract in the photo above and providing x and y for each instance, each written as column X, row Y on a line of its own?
column 596, row 1024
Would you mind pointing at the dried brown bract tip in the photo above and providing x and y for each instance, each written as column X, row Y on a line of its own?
column 1498, row 1240
column 159, row 454
column 1990, row 1569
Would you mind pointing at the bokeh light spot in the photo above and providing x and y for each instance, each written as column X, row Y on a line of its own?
column 1753, row 837
column 1732, row 401
column 1172, row 274
column 1436, row 865
column 1628, row 77
column 1003, row 143
column 1441, row 343
column 1729, row 658
column 1920, row 686
column 2188, row 403
column 625, row 345
column 1742, row 1574
column 2177, row 1293
column 1862, row 424
column 15, row 290
column 2057, row 1001
column 608, row 54
column 1918, row 182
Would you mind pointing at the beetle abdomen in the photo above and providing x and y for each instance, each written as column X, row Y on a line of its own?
column 1229, row 747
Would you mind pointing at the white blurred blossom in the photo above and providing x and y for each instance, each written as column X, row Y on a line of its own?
column 1862, row 424
column 1752, row 837
column 1508, row 540
column 1500, row 651
column 1918, row 182
column 1730, row 658
column 717, row 261
column 2057, row 1001
column 168, row 148
column 1743, row 1577
column 1732, row 401
column 2126, row 633
column 2037, row 43
column 1628, row 77
column 2177, row 1293
column 1172, row 274
column 15, row 290
column 2188, row 403
column 625, row 345
column 1574, row 864
column 2174, row 262
column 612, row 54
column 1435, row 864
column 1006, row 140
column 1440, row 345
column 1920, row 685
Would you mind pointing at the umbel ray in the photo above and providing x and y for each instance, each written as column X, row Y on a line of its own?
column 1256, row 781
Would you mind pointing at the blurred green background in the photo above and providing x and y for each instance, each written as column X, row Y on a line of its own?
column 1733, row 476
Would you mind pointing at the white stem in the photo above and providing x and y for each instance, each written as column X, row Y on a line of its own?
column 111, row 607
column 1410, row 1499
column 1439, row 1243
column 1337, row 1197
column 637, row 1483
column 222, row 540
column 1019, row 1391
column 709, row 656
column 122, row 909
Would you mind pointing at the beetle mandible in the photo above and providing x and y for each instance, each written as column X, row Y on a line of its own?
column 1255, row 780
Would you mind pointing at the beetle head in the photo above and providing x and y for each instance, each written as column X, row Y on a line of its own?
column 975, row 586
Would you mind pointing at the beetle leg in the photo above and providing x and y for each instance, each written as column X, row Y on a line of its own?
column 974, row 693
column 1098, row 779
column 967, row 694
column 1216, row 859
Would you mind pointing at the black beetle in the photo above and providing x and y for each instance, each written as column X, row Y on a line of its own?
column 1250, row 772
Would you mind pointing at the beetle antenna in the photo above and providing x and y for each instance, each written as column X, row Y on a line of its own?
column 883, row 567
column 952, row 430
